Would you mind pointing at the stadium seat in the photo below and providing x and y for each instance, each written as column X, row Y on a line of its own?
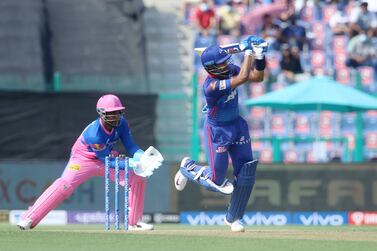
column 318, row 30
column 339, row 43
column 257, row 146
column 371, row 140
column 290, row 156
column 279, row 125
column 257, row 89
column 310, row 158
column 343, row 76
column 257, row 112
column 328, row 12
column 327, row 124
column 302, row 125
column 367, row 79
column 265, row 155
column 318, row 59
column 340, row 59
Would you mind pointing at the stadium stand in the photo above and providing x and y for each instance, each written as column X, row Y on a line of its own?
column 93, row 48
column 21, row 65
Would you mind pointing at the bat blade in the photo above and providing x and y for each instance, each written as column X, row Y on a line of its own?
column 228, row 48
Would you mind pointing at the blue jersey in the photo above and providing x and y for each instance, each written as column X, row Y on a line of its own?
column 95, row 142
column 222, row 101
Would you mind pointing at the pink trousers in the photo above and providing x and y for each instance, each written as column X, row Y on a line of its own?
column 77, row 172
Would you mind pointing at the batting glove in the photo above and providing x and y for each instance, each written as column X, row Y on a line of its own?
column 249, row 41
column 260, row 50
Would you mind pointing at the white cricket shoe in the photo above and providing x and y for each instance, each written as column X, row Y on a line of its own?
column 180, row 181
column 24, row 224
column 235, row 226
column 141, row 226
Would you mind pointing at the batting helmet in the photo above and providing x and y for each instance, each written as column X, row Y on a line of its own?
column 216, row 61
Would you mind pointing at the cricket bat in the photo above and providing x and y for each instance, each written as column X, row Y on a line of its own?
column 228, row 48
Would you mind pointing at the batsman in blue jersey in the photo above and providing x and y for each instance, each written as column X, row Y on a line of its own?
column 226, row 132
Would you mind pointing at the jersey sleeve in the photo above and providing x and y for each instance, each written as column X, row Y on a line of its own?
column 126, row 138
column 217, row 88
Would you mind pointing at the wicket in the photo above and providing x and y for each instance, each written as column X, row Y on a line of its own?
column 117, row 163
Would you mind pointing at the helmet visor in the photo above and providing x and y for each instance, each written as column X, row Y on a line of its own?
column 221, row 69
column 112, row 118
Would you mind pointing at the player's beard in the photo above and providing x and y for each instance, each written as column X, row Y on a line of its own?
column 112, row 120
column 227, row 72
column 222, row 73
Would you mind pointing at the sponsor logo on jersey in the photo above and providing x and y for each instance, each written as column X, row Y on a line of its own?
column 221, row 149
column 98, row 147
column 222, row 85
column 74, row 167
column 231, row 96
column 243, row 141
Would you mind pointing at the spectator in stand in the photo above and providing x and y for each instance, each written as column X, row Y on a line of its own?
column 290, row 63
column 361, row 18
column 339, row 22
column 205, row 20
column 187, row 6
column 229, row 19
column 362, row 49
column 284, row 19
column 271, row 32
column 294, row 34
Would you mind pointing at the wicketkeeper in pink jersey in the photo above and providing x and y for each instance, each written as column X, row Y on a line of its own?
column 87, row 160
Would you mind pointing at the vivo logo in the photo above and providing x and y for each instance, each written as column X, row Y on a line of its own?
column 205, row 219
column 266, row 220
column 316, row 219
column 258, row 218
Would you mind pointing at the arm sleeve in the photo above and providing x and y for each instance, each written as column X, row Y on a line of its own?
column 127, row 140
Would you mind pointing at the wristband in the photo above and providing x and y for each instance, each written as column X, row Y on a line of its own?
column 260, row 64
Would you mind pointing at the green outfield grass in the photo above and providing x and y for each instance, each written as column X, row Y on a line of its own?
column 181, row 237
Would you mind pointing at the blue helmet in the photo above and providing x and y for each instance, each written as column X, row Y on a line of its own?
column 216, row 61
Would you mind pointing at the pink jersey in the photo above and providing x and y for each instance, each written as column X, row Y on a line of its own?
column 95, row 142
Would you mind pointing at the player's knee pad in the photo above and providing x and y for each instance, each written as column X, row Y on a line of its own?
column 243, row 187
column 246, row 177
column 65, row 188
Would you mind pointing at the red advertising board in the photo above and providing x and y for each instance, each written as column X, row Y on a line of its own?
column 362, row 218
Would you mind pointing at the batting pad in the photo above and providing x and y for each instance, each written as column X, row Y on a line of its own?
column 136, row 198
column 241, row 194
column 51, row 198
